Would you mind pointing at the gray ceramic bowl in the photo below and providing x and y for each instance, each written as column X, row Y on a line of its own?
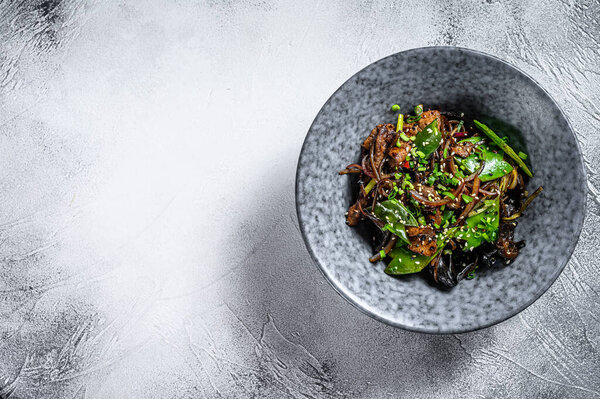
column 458, row 80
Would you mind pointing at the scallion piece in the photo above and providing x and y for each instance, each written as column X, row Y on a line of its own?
column 400, row 124
column 382, row 254
column 370, row 186
column 395, row 108
column 522, row 155
column 449, row 195
column 404, row 137
column 419, row 109
column 467, row 198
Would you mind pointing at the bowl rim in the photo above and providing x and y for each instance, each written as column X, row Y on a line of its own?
column 569, row 251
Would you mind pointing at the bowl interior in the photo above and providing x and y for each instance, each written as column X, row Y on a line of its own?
column 458, row 80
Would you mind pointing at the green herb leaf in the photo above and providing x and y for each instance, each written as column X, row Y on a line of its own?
column 428, row 139
column 505, row 147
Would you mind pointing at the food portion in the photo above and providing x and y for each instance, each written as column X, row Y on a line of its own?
column 443, row 193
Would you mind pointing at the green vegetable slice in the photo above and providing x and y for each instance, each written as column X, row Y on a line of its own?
column 472, row 140
column 483, row 225
column 495, row 165
column 405, row 261
column 505, row 147
column 396, row 217
column 428, row 139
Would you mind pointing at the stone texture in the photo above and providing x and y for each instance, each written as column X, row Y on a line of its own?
column 148, row 240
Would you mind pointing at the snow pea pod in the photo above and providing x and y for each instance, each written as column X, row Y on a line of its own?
column 495, row 165
column 483, row 225
column 405, row 261
column 396, row 217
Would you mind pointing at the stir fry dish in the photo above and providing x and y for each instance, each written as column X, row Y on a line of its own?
column 442, row 192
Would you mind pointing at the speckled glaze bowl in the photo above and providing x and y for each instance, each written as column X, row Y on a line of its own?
column 451, row 79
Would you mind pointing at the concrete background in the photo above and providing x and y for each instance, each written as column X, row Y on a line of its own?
column 149, row 246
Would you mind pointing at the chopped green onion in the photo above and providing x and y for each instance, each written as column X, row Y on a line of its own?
column 467, row 198
column 442, row 207
column 460, row 125
column 419, row 109
column 413, row 138
column 522, row 155
column 471, row 275
column 420, row 154
column 395, row 107
column 382, row 254
column 404, row 137
column 408, row 184
column 370, row 186
column 412, row 119
column 398, row 176
column 422, row 168
column 437, row 226
column 445, row 152
column 421, row 220
column 400, row 124
column 449, row 195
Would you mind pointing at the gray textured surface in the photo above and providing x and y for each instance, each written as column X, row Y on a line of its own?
column 148, row 241
column 453, row 80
